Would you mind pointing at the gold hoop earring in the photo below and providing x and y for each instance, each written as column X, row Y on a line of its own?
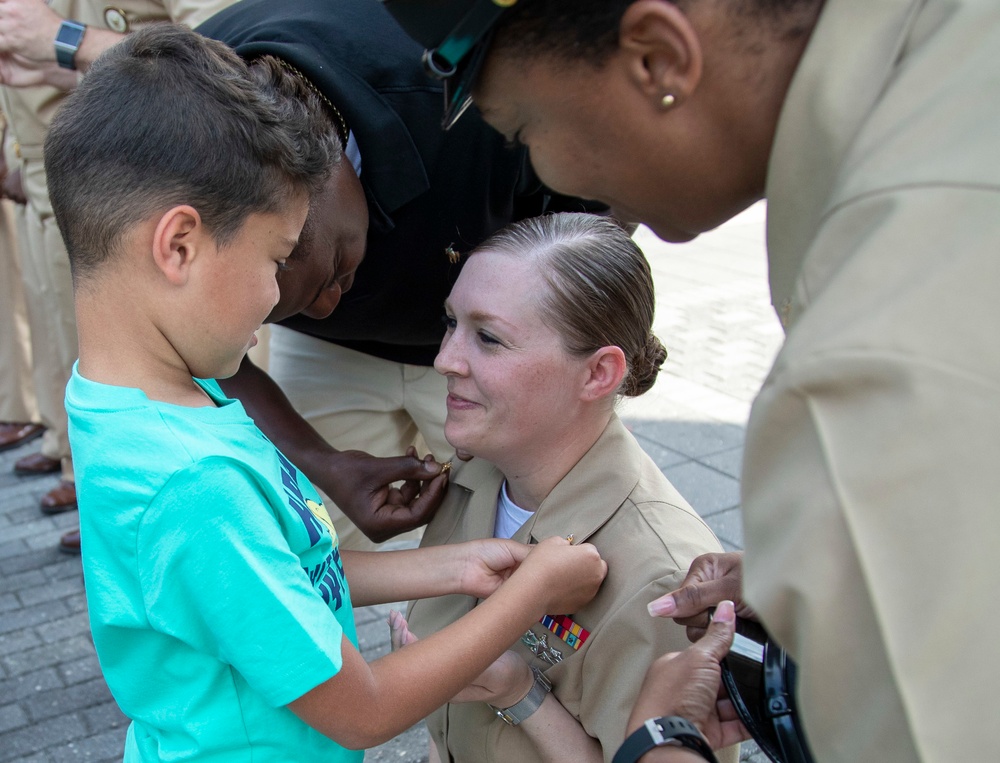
column 668, row 100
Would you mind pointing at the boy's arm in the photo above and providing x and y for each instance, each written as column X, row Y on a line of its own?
column 360, row 484
column 476, row 568
column 364, row 705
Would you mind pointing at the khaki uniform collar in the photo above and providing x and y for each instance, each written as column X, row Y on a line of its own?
column 582, row 502
column 834, row 88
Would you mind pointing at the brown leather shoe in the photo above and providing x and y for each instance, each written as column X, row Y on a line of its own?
column 36, row 463
column 60, row 498
column 69, row 543
column 15, row 433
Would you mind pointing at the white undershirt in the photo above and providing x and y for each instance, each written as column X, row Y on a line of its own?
column 353, row 153
column 510, row 516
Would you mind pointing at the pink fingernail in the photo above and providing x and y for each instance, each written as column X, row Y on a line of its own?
column 662, row 607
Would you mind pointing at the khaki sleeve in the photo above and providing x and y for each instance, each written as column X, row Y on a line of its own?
column 193, row 12
column 871, row 477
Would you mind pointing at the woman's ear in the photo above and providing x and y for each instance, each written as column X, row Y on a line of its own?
column 178, row 239
column 661, row 51
column 607, row 369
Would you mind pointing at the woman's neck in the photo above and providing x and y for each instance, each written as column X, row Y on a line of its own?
column 533, row 473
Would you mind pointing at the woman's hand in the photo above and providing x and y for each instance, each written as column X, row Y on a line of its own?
column 504, row 683
column 488, row 564
column 689, row 684
column 712, row 578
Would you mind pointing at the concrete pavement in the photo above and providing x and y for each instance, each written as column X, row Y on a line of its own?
column 712, row 314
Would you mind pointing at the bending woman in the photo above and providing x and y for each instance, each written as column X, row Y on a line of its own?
column 548, row 324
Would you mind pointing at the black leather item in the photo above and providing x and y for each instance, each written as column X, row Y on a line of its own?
column 760, row 679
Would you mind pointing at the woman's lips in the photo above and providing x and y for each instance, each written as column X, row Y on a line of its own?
column 457, row 403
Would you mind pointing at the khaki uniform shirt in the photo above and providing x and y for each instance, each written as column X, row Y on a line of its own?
column 30, row 110
column 872, row 466
column 617, row 499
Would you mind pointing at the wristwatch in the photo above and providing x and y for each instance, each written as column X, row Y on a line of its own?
column 519, row 711
column 67, row 43
column 657, row 732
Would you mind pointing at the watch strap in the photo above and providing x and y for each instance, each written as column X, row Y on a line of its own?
column 67, row 42
column 522, row 710
column 657, row 732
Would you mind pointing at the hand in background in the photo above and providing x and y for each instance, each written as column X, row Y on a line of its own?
column 28, row 30
column 12, row 188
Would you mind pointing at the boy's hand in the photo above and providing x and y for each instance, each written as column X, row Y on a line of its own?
column 362, row 487
column 488, row 564
column 566, row 576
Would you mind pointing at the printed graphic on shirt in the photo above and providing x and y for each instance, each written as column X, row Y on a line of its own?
column 327, row 577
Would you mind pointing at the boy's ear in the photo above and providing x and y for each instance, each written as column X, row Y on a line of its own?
column 178, row 239
column 607, row 368
column 663, row 54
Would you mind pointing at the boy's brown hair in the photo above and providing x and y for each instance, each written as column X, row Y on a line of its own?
column 169, row 117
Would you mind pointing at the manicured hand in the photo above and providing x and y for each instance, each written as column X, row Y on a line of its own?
column 689, row 684
column 362, row 486
column 712, row 578
column 489, row 563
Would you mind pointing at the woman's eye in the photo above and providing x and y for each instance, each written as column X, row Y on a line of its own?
column 449, row 322
column 487, row 339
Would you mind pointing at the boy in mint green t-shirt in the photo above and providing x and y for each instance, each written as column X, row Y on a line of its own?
column 219, row 604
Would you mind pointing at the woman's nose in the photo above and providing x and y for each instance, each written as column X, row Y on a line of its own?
column 448, row 362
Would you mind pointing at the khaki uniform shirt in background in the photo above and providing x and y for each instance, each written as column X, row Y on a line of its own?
column 872, row 469
column 30, row 110
column 617, row 499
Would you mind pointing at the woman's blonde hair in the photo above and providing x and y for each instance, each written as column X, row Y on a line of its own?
column 600, row 289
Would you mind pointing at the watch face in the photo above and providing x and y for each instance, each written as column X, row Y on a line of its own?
column 69, row 35
column 116, row 20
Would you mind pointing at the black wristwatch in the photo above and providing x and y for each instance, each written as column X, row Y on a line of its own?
column 67, row 42
column 657, row 732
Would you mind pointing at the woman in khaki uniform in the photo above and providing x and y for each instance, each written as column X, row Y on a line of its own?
column 548, row 324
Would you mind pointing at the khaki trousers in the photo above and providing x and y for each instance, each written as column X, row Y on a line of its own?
column 17, row 395
column 360, row 402
column 48, row 291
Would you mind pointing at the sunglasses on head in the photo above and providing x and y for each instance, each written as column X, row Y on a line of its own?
column 460, row 55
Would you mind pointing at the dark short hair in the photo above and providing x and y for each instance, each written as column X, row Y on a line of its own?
column 169, row 117
column 588, row 29
column 599, row 288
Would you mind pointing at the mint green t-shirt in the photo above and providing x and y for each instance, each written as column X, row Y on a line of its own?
column 213, row 577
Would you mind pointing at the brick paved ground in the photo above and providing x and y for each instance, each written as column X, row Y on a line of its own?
column 712, row 314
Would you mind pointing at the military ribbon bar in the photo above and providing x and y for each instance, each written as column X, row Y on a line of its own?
column 567, row 630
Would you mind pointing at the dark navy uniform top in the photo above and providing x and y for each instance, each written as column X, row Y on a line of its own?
column 427, row 189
